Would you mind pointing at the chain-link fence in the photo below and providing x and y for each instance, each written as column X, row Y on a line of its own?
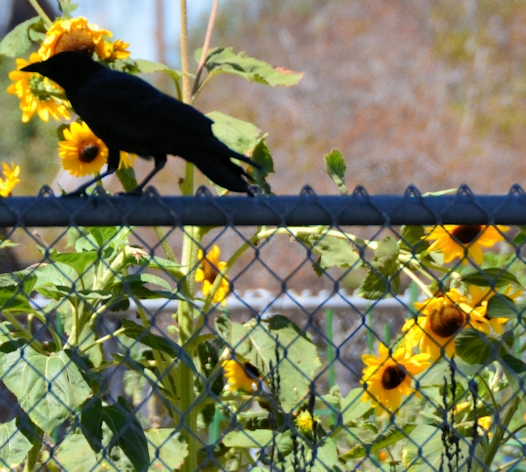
column 304, row 333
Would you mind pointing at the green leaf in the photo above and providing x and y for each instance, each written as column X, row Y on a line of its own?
column 57, row 274
column 167, row 448
column 147, row 67
column 353, row 407
column 171, row 268
column 257, row 439
column 335, row 168
column 295, row 370
column 223, row 60
column 146, row 279
column 390, row 436
column 238, row 135
column 475, row 347
column 14, row 446
column 515, row 370
column 160, row 343
column 261, row 155
column 500, row 306
column 375, row 286
column 128, row 433
column 80, row 261
column 5, row 243
column 48, row 389
column 75, row 453
column 91, row 423
column 66, row 8
column 493, row 277
column 385, row 256
column 411, row 239
column 17, row 42
column 333, row 251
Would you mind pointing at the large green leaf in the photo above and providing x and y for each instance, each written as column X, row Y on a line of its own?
column 18, row 42
column 224, row 60
column 167, row 448
column 492, row 277
column 75, row 454
column 298, row 357
column 127, row 433
column 335, row 168
column 14, row 446
column 411, row 239
column 353, row 407
column 238, row 135
column 258, row 438
column 500, row 306
column 475, row 347
column 80, row 261
column 91, row 423
column 48, row 389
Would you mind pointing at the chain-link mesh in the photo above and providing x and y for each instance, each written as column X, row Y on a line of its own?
column 302, row 333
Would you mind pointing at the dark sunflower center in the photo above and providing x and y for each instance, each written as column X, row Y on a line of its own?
column 446, row 322
column 210, row 271
column 251, row 370
column 88, row 150
column 76, row 40
column 392, row 377
column 466, row 234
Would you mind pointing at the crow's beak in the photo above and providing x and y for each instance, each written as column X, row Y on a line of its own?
column 36, row 67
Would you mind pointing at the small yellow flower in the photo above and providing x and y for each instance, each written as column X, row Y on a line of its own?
column 464, row 241
column 37, row 94
column 389, row 376
column 305, row 422
column 82, row 152
column 207, row 273
column 115, row 50
column 241, row 375
column 127, row 160
column 481, row 296
column 11, row 179
column 75, row 34
column 440, row 319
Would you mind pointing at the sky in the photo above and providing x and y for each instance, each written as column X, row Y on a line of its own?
column 134, row 22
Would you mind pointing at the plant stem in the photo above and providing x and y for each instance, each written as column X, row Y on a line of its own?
column 417, row 281
column 168, row 252
column 206, row 45
column 41, row 12
column 502, row 427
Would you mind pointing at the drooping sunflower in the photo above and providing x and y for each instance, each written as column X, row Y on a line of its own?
column 464, row 241
column 440, row 319
column 207, row 273
column 241, row 375
column 389, row 376
column 11, row 179
column 82, row 152
column 37, row 94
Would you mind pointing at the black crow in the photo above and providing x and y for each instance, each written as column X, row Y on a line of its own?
column 130, row 115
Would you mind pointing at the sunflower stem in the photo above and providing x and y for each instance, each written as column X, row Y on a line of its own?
column 417, row 281
column 41, row 13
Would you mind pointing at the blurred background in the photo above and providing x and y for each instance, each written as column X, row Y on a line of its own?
column 424, row 92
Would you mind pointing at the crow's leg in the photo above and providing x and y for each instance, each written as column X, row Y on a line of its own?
column 160, row 162
column 113, row 164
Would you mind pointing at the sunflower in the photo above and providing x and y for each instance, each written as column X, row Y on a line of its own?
column 37, row 94
column 82, row 152
column 481, row 296
column 207, row 273
column 464, row 241
column 11, row 179
column 240, row 375
column 388, row 377
column 75, row 34
column 440, row 319
column 115, row 50
column 305, row 422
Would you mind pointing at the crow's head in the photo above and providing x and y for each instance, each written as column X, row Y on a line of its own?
column 68, row 69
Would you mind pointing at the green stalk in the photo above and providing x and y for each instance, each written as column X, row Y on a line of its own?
column 502, row 427
column 41, row 13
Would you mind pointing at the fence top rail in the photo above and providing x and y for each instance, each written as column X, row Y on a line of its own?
column 203, row 209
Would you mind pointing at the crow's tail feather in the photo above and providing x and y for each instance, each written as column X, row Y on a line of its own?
column 222, row 171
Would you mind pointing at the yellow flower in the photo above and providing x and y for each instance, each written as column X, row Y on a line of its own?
column 115, row 50
column 461, row 241
column 75, row 34
column 481, row 296
column 241, row 375
column 11, row 179
column 127, row 160
column 37, row 94
column 207, row 273
column 440, row 319
column 389, row 376
column 305, row 422
column 82, row 152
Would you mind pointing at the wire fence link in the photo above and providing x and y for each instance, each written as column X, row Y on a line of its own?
column 302, row 333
